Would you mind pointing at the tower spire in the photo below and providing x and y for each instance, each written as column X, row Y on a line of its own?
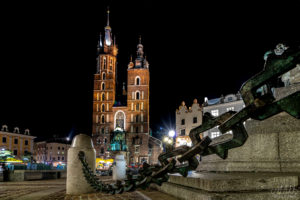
column 108, row 38
column 108, row 16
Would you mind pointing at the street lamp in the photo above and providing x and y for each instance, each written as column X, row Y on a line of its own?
column 171, row 133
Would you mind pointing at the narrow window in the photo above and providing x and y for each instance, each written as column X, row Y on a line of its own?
column 137, row 81
column 136, row 129
column 142, row 106
column 102, row 150
column 103, row 108
column 103, row 86
column 137, row 106
column 16, row 141
column 103, row 97
column 103, row 76
column 195, row 120
column 137, row 95
column 183, row 122
column 4, row 140
column 104, row 63
column 137, row 118
column 102, row 119
column 105, row 141
column 182, row 132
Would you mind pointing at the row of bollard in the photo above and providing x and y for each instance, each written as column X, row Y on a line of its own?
column 76, row 182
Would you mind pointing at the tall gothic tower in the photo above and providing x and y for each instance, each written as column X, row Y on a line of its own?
column 138, row 106
column 104, row 91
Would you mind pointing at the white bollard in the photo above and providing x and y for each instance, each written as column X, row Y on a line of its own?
column 76, row 182
column 119, row 170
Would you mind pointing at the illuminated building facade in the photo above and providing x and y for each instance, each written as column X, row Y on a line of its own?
column 218, row 106
column 51, row 152
column 15, row 141
column 187, row 119
column 129, row 113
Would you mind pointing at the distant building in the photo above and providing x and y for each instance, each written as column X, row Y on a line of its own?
column 219, row 106
column 52, row 152
column 15, row 141
column 187, row 119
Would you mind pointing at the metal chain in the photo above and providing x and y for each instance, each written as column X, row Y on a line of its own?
column 183, row 159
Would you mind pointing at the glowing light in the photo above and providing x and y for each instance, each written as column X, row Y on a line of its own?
column 165, row 139
column 67, row 138
column 171, row 133
column 170, row 141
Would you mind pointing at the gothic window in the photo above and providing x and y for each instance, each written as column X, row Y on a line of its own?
column 137, row 118
column 102, row 119
column 103, row 86
column 120, row 120
column 137, row 106
column 103, row 76
column 103, row 97
column 137, row 95
column 103, row 108
column 137, row 81
column 104, row 63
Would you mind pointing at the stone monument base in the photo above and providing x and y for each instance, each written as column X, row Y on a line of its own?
column 233, row 186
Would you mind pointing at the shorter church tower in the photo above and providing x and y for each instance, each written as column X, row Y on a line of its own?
column 138, row 106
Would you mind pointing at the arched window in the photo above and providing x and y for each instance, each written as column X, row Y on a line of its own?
column 137, row 95
column 103, row 108
column 103, row 97
column 102, row 119
column 103, row 76
column 137, row 80
column 103, row 86
column 137, row 106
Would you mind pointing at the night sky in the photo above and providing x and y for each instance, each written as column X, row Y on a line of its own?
column 48, row 56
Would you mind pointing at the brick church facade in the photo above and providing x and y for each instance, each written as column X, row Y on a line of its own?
column 133, row 115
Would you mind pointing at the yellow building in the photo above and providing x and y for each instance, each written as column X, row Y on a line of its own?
column 15, row 141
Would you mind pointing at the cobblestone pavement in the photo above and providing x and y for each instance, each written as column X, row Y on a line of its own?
column 56, row 190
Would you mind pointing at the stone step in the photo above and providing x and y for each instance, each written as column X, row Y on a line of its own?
column 188, row 193
column 232, row 182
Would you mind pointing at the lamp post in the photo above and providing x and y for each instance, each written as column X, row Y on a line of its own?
column 169, row 140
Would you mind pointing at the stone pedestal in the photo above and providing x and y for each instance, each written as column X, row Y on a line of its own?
column 119, row 170
column 76, row 182
column 272, row 146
